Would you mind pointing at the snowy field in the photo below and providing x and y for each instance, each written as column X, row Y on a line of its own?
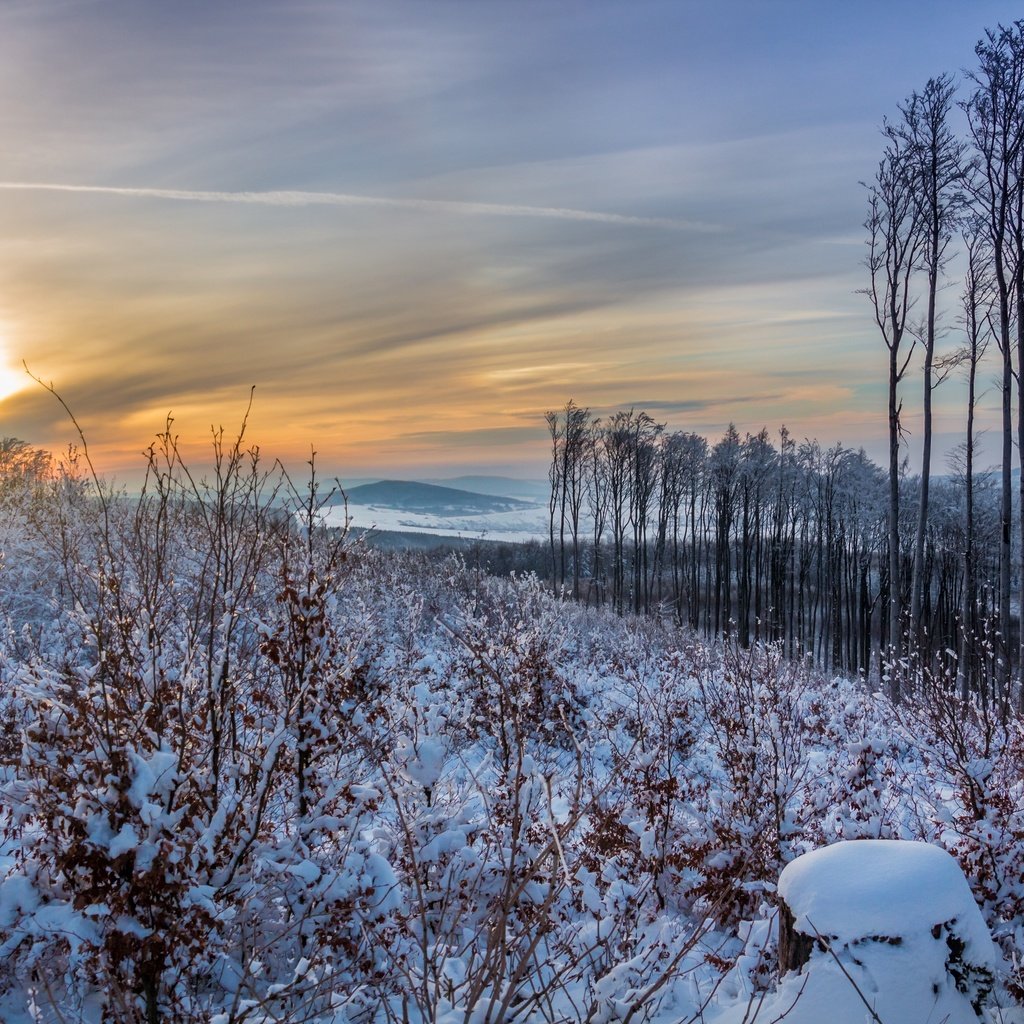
column 516, row 527
column 251, row 776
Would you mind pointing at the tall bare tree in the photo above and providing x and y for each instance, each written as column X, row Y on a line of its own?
column 617, row 445
column 643, row 493
column 994, row 115
column 895, row 242
column 936, row 158
column 597, row 503
column 976, row 317
column 556, row 481
column 574, row 471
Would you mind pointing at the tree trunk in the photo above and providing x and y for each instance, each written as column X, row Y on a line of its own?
column 895, row 608
column 794, row 947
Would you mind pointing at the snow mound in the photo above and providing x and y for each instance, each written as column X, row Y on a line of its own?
column 882, row 887
column 902, row 940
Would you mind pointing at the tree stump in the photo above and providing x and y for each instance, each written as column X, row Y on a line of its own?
column 794, row 947
column 857, row 900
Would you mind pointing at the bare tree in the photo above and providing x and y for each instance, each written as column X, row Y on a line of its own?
column 597, row 502
column 617, row 442
column 994, row 116
column 575, row 465
column 556, row 480
column 936, row 159
column 894, row 253
column 645, row 466
column 724, row 470
column 976, row 300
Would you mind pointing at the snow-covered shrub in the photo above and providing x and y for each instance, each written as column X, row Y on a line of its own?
column 187, row 804
column 510, row 659
column 761, row 716
column 860, row 795
column 650, row 829
column 40, row 509
column 253, row 771
column 485, row 793
column 972, row 758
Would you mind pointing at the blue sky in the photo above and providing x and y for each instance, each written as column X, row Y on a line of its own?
column 430, row 334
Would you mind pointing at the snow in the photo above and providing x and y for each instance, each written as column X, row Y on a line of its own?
column 887, row 887
column 306, row 870
column 424, row 761
column 630, row 788
column 153, row 776
column 513, row 527
column 898, row 985
column 125, row 840
column 18, row 897
column 880, row 904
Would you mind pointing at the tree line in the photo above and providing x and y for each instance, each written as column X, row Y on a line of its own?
column 766, row 539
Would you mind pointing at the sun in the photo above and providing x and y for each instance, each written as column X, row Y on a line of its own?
column 12, row 378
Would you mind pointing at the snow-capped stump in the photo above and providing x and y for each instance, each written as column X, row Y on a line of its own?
column 863, row 900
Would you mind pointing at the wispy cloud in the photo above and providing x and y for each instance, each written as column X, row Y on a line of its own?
column 695, row 404
column 301, row 198
column 474, row 436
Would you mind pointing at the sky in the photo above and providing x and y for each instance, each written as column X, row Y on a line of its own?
column 416, row 225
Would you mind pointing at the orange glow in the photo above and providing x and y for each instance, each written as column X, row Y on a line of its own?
column 12, row 378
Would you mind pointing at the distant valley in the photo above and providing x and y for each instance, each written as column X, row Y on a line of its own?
column 408, row 506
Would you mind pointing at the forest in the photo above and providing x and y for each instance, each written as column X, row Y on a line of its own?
column 783, row 542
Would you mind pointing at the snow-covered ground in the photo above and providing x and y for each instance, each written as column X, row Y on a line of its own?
column 507, row 807
column 518, row 526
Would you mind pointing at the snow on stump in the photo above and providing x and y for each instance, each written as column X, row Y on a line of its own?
column 873, row 902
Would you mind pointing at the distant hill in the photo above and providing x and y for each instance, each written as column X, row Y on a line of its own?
column 411, row 496
column 535, row 491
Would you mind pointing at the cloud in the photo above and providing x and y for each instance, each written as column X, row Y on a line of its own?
column 477, row 436
column 673, row 222
column 698, row 404
column 300, row 198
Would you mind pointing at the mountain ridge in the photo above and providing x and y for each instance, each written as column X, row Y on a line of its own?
column 434, row 499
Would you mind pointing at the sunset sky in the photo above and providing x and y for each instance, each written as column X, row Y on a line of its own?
column 415, row 226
